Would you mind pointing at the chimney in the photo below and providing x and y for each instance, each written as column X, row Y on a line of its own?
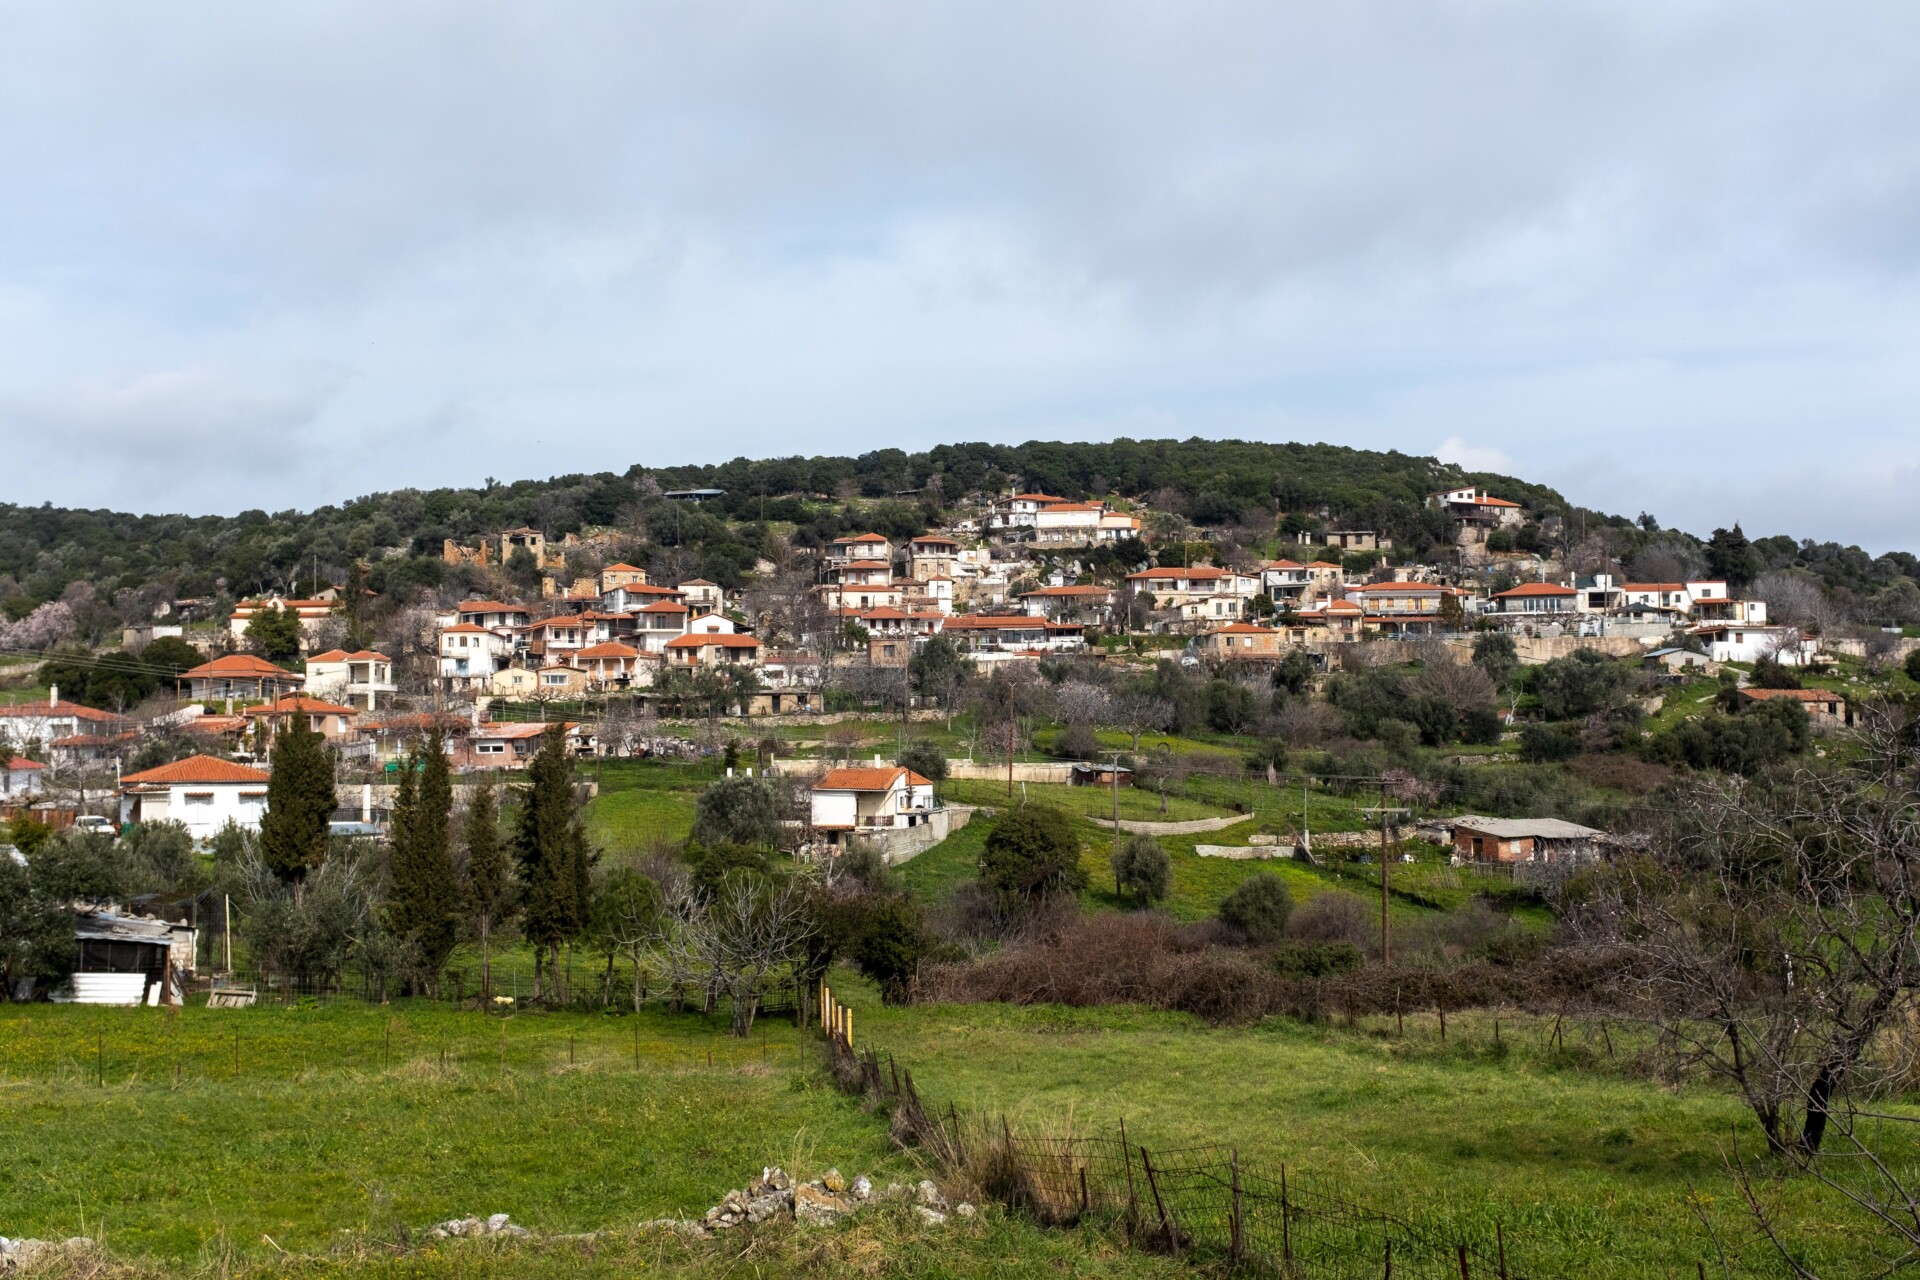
column 876, row 759
column 53, row 695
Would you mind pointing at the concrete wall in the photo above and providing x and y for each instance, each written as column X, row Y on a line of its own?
column 905, row 843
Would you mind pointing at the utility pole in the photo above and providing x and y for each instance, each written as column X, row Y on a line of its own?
column 1386, row 943
column 1012, row 722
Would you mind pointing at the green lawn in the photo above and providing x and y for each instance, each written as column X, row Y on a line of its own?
column 643, row 802
column 1588, row 1172
column 1091, row 802
column 323, row 1128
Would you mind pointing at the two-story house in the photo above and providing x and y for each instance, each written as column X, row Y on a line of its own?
column 849, row 802
column 469, row 655
column 363, row 678
column 240, row 676
column 328, row 719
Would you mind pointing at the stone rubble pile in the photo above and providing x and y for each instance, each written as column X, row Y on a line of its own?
column 822, row 1202
column 19, row 1253
column 498, row 1224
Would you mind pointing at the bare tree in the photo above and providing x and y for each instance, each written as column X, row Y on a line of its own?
column 1776, row 932
column 1795, row 599
column 1138, row 713
column 751, row 927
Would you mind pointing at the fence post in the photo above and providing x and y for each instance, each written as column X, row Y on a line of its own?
column 1462, row 1250
column 1388, row 1274
column 1126, row 1154
column 1085, row 1202
column 1286, row 1219
column 1159, row 1205
column 1500, row 1243
column 1235, row 1244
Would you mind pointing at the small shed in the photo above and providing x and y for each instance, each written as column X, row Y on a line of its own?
column 1549, row 840
column 130, row 959
column 1095, row 774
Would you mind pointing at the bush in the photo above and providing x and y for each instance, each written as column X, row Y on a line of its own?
column 1480, row 727
column 1332, row 917
column 1032, row 852
column 888, row 942
column 1912, row 666
column 1579, row 684
column 926, row 759
column 1258, row 907
column 1314, row 959
column 1435, row 718
column 1271, row 753
column 714, row 864
column 1546, row 744
column 737, row 810
column 1142, row 870
column 1076, row 742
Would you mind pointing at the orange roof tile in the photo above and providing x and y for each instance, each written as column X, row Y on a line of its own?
column 288, row 704
column 208, row 769
column 239, row 664
column 869, row 779
column 720, row 638
column 1536, row 589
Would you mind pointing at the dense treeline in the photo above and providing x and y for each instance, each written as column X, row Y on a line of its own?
column 119, row 558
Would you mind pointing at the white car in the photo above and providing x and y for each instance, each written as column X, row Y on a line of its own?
column 94, row 822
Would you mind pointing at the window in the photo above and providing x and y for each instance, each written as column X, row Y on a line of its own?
column 198, row 797
column 491, row 748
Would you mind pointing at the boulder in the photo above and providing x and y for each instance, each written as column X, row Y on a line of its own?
column 964, row 1209
column 834, row 1182
column 863, row 1188
column 929, row 1196
column 932, row 1217
column 817, row 1207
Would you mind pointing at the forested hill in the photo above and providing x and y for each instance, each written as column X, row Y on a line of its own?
column 45, row 551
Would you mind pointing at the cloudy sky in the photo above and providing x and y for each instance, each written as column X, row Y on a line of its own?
column 1664, row 256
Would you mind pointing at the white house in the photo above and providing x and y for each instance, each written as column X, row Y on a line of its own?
column 1475, row 507
column 850, row 802
column 470, row 654
column 21, row 777
column 1019, row 511
column 1536, row 599
column 704, row 596
column 363, row 679
column 312, row 615
column 239, row 675
column 1745, row 642
column 204, row 793
column 48, row 722
column 975, row 633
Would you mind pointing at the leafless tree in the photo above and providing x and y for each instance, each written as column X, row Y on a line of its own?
column 1777, row 933
column 1137, row 713
column 748, row 929
column 1795, row 599
column 1461, row 685
column 1080, row 702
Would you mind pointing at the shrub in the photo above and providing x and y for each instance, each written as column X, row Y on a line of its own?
column 1332, row 917
column 1579, row 684
column 1912, row 666
column 737, row 810
column 714, row 864
column 1271, row 753
column 1032, row 852
column 1258, row 907
column 888, row 942
column 1546, row 744
column 926, row 759
column 1314, row 959
column 1142, row 870
column 1480, row 726
column 1076, row 742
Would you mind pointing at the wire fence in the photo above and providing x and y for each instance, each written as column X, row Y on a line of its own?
column 1203, row 1203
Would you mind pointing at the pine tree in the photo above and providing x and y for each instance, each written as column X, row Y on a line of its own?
column 300, row 801
column 489, row 886
column 423, row 900
column 550, row 846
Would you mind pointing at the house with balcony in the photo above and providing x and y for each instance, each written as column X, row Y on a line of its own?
column 1475, row 508
column 1013, row 633
column 711, row 649
column 622, row 575
column 1537, row 601
column 864, row 802
column 1088, row 605
column 328, row 719
column 703, row 596
column 551, row 640
column 634, row 596
column 1749, row 642
column 613, row 665
column 469, row 655
column 861, row 551
column 1335, row 622
column 491, row 613
column 240, row 676
column 364, row 678
column 931, row 555
column 513, row 745
column 1407, row 608
column 56, row 720
column 1019, row 511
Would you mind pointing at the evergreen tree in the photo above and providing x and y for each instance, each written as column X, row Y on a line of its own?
column 550, row 846
column 423, row 900
column 275, row 633
column 300, row 800
column 489, row 886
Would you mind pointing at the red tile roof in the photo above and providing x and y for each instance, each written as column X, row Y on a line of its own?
column 288, row 704
column 1243, row 629
column 40, row 710
column 608, row 650
column 464, row 628
column 720, row 638
column 1536, row 589
column 488, row 606
column 341, row 655
column 21, row 762
column 869, row 779
column 864, row 537
column 238, row 664
column 197, row 769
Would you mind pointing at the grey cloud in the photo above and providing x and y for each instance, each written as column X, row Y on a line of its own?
column 1658, row 236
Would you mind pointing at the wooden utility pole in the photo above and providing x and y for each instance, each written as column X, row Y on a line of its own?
column 1386, row 937
column 1012, row 725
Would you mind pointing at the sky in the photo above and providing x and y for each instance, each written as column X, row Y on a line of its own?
column 1663, row 256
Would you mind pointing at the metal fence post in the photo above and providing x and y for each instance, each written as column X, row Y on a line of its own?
column 1286, row 1219
column 1159, row 1205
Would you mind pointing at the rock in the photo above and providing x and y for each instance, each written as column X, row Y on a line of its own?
column 894, row 1191
column 863, row 1188
column 770, row 1179
column 760, row 1208
column 964, row 1209
column 834, row 1182
column 932, row 1217
column 520, row 1233
column 818, row 1208
column 497, row 1223
column 929, row 1196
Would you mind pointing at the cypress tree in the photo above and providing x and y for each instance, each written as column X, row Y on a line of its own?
column 423, row 900
column 489, row 887
column 550, row 847
column 300, row 801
